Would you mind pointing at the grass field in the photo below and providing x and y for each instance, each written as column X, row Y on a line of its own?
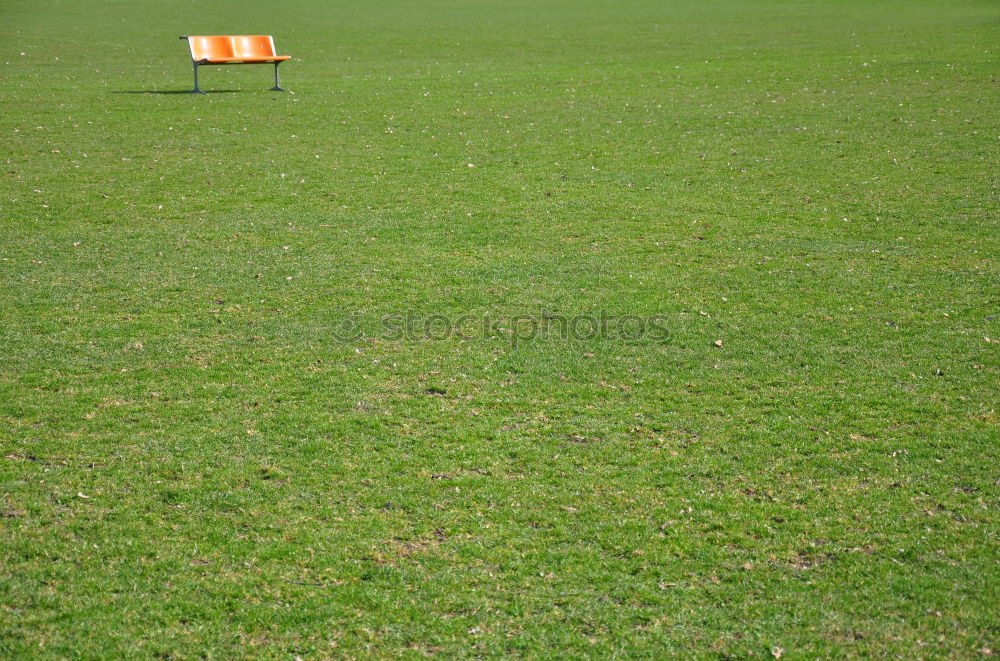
column 215, row 443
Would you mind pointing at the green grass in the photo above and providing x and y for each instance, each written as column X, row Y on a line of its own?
column 812, row 182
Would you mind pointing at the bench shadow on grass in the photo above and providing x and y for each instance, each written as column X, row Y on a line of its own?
column 178, row 91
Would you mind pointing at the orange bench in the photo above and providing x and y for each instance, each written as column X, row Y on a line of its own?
column 234, row 49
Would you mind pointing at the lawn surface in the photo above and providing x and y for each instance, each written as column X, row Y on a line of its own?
column 213, row 446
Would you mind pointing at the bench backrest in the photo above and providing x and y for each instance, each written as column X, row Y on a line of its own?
column 222, row 47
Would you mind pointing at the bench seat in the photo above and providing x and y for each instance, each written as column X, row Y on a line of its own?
column 245, row 60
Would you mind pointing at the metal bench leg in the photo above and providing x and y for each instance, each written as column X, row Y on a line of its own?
column 277, row 85
column 196, row 89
